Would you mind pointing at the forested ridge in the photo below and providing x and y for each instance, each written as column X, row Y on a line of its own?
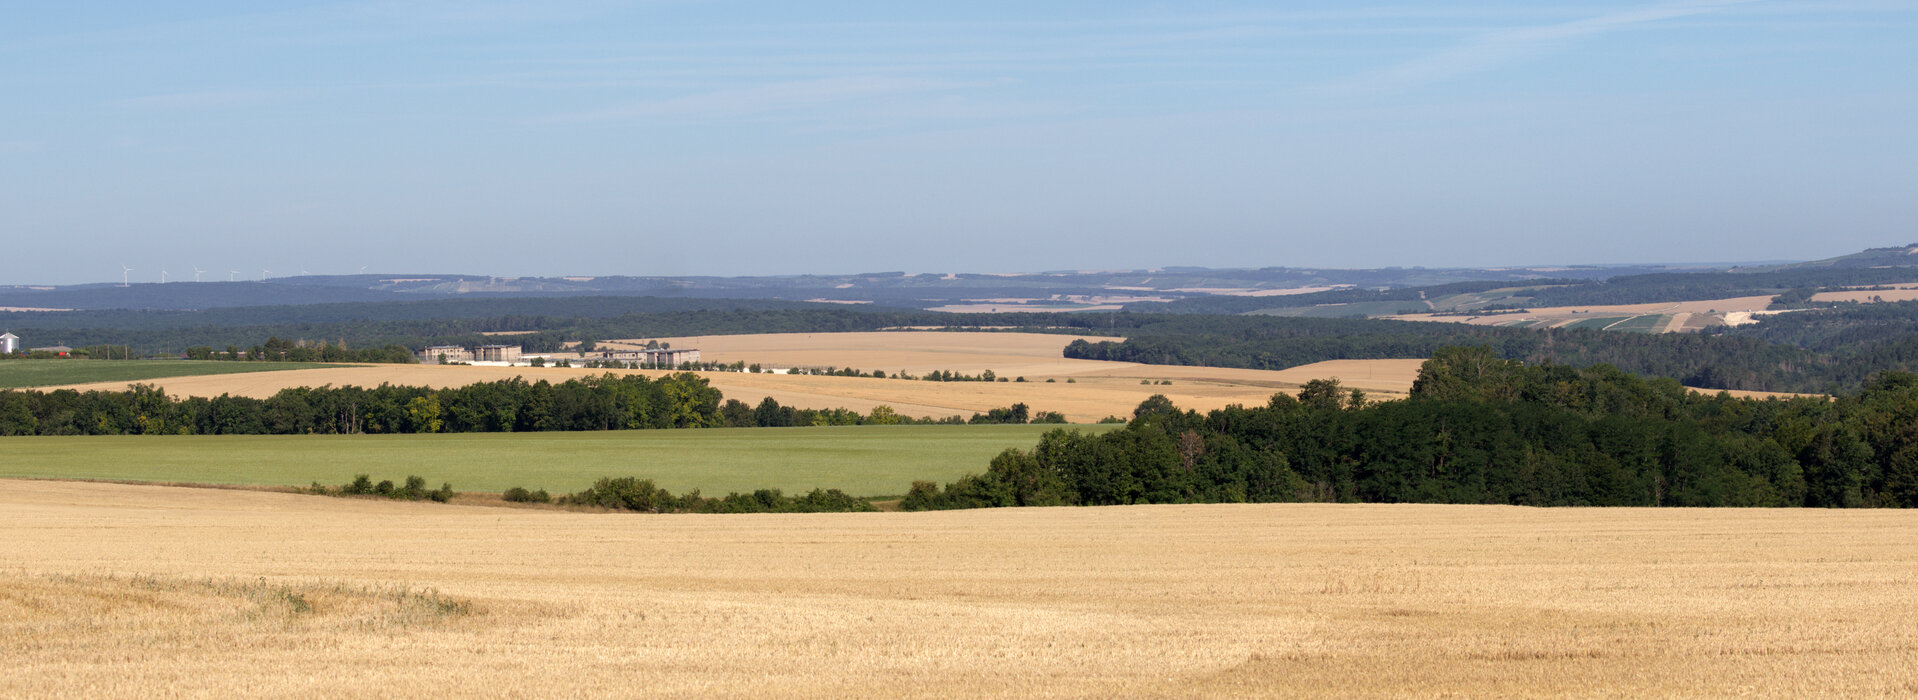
column 1709, row 361
column 1479, row 429
column 1544, row 292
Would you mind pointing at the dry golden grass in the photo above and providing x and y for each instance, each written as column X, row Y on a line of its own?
column 121, row 591
column 1097, row 389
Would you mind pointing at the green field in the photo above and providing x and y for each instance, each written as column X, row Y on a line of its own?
column 1649, row 323
column 1597, row 323
column 1362, row 308
column 862, row 460
column 18, row 374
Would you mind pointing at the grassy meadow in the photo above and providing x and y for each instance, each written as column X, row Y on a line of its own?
column 21, row 374
column 861, row 460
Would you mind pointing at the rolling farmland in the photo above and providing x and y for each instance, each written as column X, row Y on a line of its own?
column 117, row 590
column 1083, row 390
column 861, row 460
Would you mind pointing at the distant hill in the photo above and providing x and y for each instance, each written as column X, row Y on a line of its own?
column 1055, row 289
column 1169, row 289
column 1898, row 256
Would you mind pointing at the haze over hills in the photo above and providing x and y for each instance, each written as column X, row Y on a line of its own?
column 1053, row 290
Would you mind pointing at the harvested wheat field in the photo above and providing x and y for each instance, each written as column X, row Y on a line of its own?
column 1096, row 388
column 121, row 591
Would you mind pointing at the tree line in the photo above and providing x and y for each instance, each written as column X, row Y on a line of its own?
column 277, row 349
column 609, row 402
column 1481, row 429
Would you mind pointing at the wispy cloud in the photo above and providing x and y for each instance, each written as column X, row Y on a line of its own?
column 1491, row 50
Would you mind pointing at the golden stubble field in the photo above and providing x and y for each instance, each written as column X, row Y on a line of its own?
column 1097, row 389
column 124, row 591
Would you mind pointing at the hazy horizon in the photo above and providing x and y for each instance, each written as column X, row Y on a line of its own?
column 750, row 138
column 209, row 277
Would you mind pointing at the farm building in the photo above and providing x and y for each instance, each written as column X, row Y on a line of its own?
column 655, row 357
column 444, row 354
column 508, row 354
column 9, row 343
column 670, row 358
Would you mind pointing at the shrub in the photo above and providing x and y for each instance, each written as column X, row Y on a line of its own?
column 923, row 496
column 630, row 493
column 415, row 489
column 623, row 493
column 521, row 495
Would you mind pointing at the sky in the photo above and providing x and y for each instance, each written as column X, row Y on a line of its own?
column 765, row 138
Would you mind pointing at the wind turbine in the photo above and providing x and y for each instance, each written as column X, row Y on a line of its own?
column 162, row 275
column 196, row 273
column 362, row 269
column 123, row 274
column 263, row 272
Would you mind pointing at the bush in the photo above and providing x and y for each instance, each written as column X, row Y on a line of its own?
column 623, row 493
column 923, row 496
column 521, row 495
column 634, row 494
column 414, row 490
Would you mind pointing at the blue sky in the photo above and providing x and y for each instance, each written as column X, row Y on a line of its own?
column 731, row 138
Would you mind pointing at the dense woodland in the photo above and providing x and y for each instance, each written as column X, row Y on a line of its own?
column 1624, row 289
column 609, row 402
column 1698, row 286
column 1479, row 429
column 1709, row 361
